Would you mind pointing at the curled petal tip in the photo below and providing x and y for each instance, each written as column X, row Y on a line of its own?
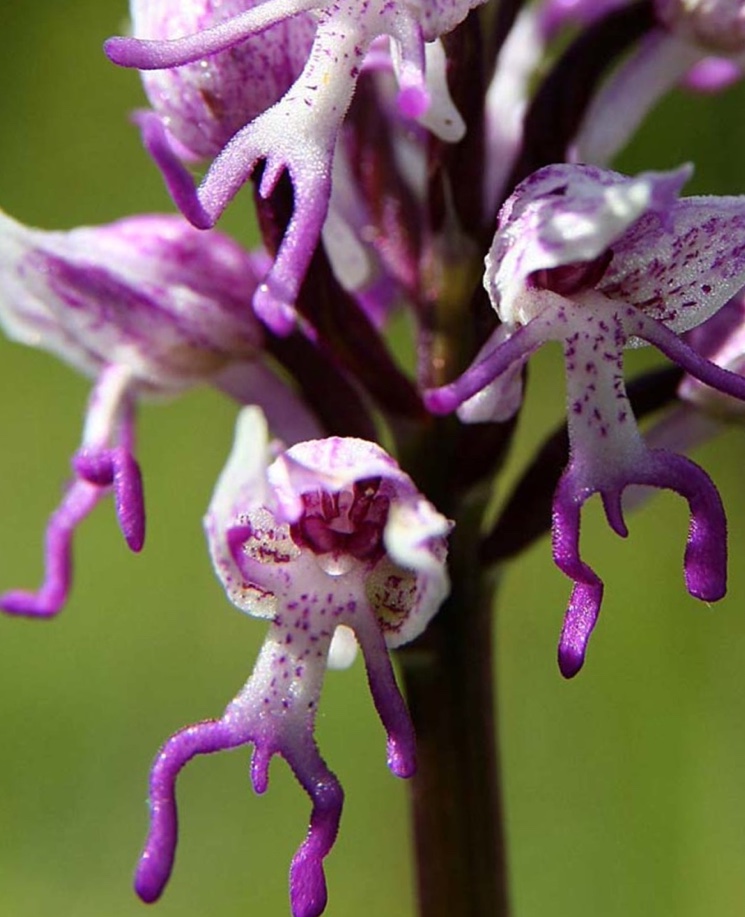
column 130, row 502
column 440, row 401
column 279, row 316
column 579, row 622
column 135, row 537
column 126, row 51
column 308, row 895
column 709, row 584
column 117, row 468
column 116, row 51
column 150, row 879
column 614, row 512
column 402, row 760
column 260, row 769
column 29, row 604
column 413, row 101
column 571, row 660
column 705, row 563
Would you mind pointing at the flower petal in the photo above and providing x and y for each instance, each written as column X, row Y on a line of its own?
column 564, row 215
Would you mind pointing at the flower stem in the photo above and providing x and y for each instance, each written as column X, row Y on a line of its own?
column 456, row 805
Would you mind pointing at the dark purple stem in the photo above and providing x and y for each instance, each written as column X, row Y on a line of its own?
column 325, row 387
column 456, row 806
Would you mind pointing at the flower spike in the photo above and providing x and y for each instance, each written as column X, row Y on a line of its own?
column 599, row 262
column 330, row 534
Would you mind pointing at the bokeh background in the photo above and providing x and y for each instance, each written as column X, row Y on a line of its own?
column 625, row 789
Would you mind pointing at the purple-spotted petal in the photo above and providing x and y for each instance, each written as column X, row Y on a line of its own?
column 682, row 270
column 330, row 540
column 274, row 711
column 705, row 561
column 414, row 537
column 568, row 215
column 205, row 105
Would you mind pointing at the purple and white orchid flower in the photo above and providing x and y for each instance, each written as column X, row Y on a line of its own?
column 330, row 539
column 599, row 262
column 147, row 306
column 296, row 132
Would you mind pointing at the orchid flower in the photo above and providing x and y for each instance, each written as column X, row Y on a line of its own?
column 327, row 540
column 598, row 262
column 147, row 306
column 296, row 133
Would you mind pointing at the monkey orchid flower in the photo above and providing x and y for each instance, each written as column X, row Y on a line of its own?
column 289, row 115
column 598, row 262
column 147, row 306
column 329, row 540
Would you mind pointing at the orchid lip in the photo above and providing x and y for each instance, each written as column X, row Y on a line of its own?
column 327, row 535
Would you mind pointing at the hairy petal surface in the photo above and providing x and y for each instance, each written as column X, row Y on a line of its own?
column 599, row 262
column 297, row 131
column 147, row 306
column 326, row 538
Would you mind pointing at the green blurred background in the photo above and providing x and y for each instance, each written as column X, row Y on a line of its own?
column 625, row 789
